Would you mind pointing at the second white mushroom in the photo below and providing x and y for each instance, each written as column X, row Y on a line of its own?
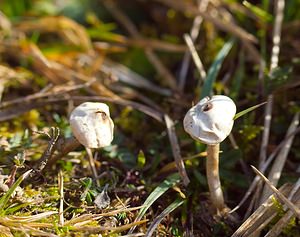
column 91, row 124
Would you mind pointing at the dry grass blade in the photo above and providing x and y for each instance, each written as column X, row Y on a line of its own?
column 155, row 44
column 263, row 169
column 5, row 24
column 260, row 216
column 263, row 148
column 68, row 29
column 129, row 93
column 275, row 172
column 286, row 201
column 162, row 215
column 5, row 231
column 30, row 218
column 283, row 222
column 274, row 63
column 194, row 34
column 295, row 189
column 143, row 108
column 86, row 218
column 28, row 224
column 55, row 72
column 168, row 168
column 266, row 132
column 176, row 149
column 133, row 235
column 195, row 56
column 130, row 27
column 6, row 74
column 61, row 198
column 160, row 67
column 231, row 28
column 277, row 33
column 55, row 91
column 99, row 229
column 124, row 74
column 10, row 113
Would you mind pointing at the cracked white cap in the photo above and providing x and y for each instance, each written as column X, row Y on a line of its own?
column 91, row 124
column 211, row 120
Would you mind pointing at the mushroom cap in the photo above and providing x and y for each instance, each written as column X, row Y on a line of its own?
column 211, row 120
column 91, row 124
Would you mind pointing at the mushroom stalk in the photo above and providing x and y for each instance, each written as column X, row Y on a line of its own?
column 213, row 179
column 210, row 121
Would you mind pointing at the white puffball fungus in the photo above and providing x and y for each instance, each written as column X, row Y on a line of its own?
column 211, row 120
column 91, row 124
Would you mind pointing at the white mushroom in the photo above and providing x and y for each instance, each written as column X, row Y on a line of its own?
column 210, row 122
column 91, row 124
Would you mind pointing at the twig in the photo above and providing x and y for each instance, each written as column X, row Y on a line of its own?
column 53, row 136
column 64, row 146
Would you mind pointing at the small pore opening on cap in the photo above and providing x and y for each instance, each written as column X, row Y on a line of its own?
column 207, row 107
column 103, row 114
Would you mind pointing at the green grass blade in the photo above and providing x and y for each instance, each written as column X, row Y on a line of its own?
column 178, row 202
column 4, row 199
column 215, row 68
column 156, row 193
column 240, row 114
column 261, row 13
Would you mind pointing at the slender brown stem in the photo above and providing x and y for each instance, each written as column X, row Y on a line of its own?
column 213, row 179
column 64, row 146
column 92, row 165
